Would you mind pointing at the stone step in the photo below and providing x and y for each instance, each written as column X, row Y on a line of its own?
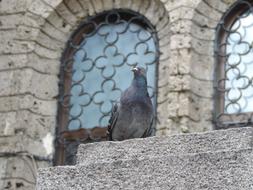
column 219, row 170
column 232, row 139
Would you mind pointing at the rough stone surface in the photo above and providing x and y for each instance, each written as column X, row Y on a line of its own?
column 221, row 170
column 232, row 139
column 33, row 34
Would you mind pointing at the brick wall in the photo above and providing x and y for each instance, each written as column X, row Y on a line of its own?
column 33, row 34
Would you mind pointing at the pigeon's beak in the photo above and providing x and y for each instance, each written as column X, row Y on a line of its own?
column 134, row 69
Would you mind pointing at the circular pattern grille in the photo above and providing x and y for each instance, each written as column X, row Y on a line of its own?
column 235, row 54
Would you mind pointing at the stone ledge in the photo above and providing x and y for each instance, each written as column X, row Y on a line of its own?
column 232, row 139
column 220, row 170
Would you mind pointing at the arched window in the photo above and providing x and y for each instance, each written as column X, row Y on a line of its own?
column 234, row 53
column 96, row 69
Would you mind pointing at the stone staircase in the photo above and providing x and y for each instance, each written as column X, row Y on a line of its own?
column 213, row 160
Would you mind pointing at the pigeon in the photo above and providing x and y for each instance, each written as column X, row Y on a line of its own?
column 133, row 116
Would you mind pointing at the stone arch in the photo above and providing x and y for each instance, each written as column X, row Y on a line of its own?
column 58, row 19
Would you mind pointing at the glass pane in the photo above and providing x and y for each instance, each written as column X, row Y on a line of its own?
column 102, row 69
column 239, row 66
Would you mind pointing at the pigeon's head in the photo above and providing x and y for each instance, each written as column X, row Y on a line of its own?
column 139, row 71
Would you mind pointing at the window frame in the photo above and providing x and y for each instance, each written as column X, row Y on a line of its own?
column 221, row 119
column 86, row 135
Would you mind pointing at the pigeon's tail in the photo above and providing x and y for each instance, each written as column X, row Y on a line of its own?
column 109, row 133
column 150, row 130
column 112, row 121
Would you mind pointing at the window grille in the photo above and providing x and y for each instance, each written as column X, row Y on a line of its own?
column 234, row 53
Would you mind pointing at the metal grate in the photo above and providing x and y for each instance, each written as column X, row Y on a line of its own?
column 235, row 66
column 96, row 69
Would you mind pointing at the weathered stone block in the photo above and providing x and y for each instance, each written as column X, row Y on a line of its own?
column 181, row 58
column 10, row 21
column 213, row 170
column 18, row 47
column 135, row 6
column 152, row 12
column 22, row 142
column 76, row 8
column 47, row 53
column 56, row 32
column 33, row 20
column 204, row 21
column 29, row 81
column 172, row 105
column 54, row 3
column 6, row 84
column 64, row 12
column 218, row 5
column 163, row 22
column 181, row 26
column 203, row 47
column 50, row 42
column 202, row 32
column 28, row 102
column 58, row 23
column 181, row 12
column 87, row 5
column 20, row 172
column 164, row 71
column 200, row 126
column 169, row 127
column 13, row 61
column 164, row 54
column 202, row 66
column 40, row 8
column 164, row 35
column 25, row 122
column 98, row 5
column 3, row 164
column 208, row 11
column 202, row 88
column 179, row 41
column 200, row 107
column 46, row 108
column 9, row 103
column 27, row 33
column 179, row 83
column 144, row 7
column 184, row 104
column 44, row 65
column 13, row 6
column 232, row 139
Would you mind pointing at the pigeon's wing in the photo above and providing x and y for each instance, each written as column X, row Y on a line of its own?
column 113, row 120
column 150, row 129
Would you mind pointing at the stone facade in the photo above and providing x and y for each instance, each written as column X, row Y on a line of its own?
column 33, row 35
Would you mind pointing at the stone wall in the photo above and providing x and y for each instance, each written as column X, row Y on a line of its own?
column 33, row 34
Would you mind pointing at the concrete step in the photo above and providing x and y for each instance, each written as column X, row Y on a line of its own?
column 219, row 170
column 232, row 139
